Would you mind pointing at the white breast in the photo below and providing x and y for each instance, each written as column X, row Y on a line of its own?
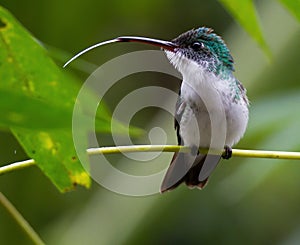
column 221, row 121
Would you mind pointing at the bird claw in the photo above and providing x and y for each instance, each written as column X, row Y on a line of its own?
column 227, row 152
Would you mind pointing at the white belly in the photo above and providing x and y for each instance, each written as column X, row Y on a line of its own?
column 209, row 100
column 221, row 121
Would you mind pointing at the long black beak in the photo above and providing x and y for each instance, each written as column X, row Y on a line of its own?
column 155, row 42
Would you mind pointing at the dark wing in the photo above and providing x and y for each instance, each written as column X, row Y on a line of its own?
column 179, row 109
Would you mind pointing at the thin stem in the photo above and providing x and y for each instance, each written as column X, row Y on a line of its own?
column 136, row 148
column 20, row 220
column 175, row 148
column 164, row 148
column 267, row 154
column 16, row 166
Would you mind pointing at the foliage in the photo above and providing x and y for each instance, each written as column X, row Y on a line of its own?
column 245, row 13
column 37, row 99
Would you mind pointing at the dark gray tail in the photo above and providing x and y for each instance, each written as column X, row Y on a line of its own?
column 186, row 168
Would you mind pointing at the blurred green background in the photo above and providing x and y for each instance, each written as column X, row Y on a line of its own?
column 247, row 201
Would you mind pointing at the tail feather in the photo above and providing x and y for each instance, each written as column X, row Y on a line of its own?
column 190, row 169
column 180, row 165
column 191, row 179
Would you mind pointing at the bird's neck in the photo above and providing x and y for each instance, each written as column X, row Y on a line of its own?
column 201, row 86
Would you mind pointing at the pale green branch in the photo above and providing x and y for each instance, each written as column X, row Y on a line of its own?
column 16, row 166
column 266, row 154
column 20, row 220
column 165, row 148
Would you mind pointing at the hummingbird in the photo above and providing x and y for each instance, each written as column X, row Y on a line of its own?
column 212, row 107
column 209, row 92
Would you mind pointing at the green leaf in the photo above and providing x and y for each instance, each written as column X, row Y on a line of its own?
column 33, row 87
column 293, row 6
column 37, row 100
column 23, row 111
column 245, row 14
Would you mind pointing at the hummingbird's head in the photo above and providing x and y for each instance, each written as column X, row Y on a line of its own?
column 204, row 47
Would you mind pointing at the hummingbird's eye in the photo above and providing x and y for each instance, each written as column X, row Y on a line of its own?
column 197, row 46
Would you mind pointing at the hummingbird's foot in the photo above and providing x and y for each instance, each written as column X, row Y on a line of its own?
column 227, row 152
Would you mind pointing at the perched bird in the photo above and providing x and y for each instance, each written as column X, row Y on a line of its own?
column 212, row 107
